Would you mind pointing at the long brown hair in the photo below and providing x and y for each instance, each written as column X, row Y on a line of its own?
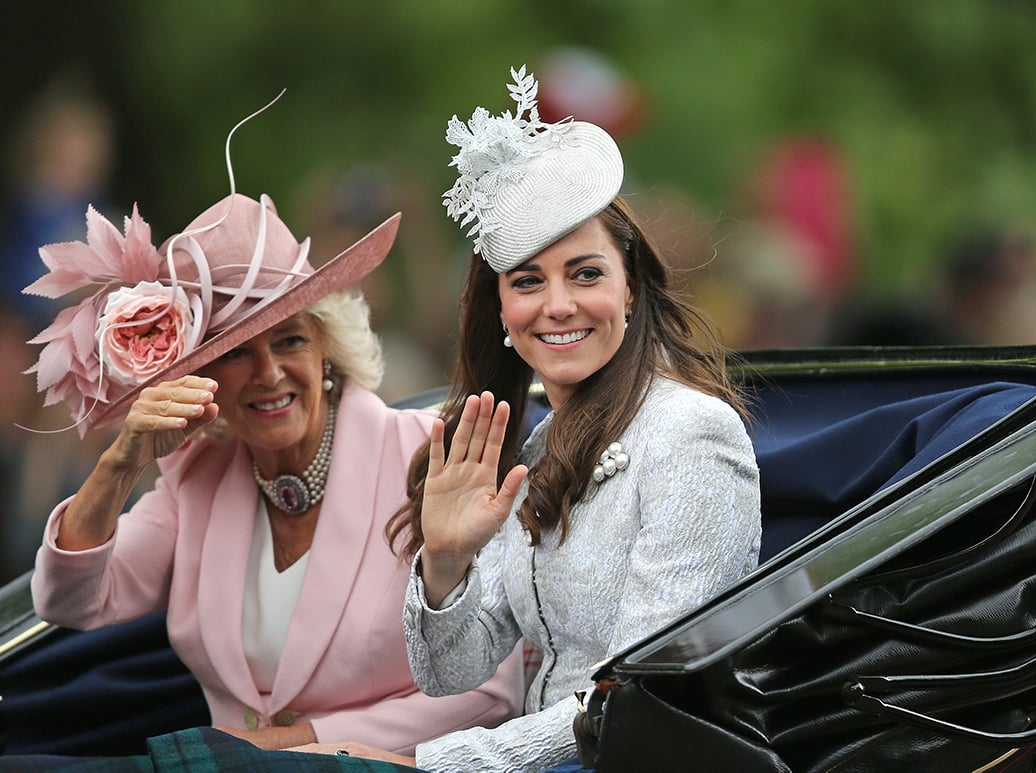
column 665, row 334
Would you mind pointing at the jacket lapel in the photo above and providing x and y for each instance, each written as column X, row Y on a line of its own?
column 221, row 576
column 343, row 531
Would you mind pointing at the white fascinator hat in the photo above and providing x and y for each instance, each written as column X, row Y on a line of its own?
column 523, row 184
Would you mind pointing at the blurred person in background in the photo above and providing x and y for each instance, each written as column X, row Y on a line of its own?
column 412, row 300
column 988, row 283
column 760, row 292
column 60, row 161
column 786, row 262
column 981, row 295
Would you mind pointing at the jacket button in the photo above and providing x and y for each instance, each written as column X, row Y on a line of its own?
column 251, row 719
column 284, row 717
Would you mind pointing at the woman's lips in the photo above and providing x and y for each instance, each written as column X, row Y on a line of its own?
column 564, row 338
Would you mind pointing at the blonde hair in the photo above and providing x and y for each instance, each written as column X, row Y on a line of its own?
column 353, row 349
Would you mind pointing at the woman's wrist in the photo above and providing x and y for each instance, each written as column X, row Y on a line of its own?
column 118, row 461
column 112, row 465
column 441, row 573
column 90, row 518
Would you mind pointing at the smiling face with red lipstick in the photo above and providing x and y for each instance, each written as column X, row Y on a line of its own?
column 270, row 394
column 565, row 308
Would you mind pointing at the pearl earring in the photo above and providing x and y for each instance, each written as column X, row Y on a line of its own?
column 328, row 383
column 507, row 337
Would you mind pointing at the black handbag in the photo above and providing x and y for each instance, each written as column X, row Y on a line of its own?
column 900, row 636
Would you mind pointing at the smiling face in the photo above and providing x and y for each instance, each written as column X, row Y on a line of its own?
column 565, row 308
column 270, row 393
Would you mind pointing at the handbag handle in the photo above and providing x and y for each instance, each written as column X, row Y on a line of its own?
column 859, row 695
column 962, row 556
column 849, row 613
column 1019, row 677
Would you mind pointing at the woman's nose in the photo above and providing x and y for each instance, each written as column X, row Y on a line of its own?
column 266, row 369
column 559, row 302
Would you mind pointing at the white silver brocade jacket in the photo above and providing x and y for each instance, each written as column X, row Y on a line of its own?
column 644, row 547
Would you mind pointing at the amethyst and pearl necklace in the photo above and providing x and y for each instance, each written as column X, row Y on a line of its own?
column 294, row 494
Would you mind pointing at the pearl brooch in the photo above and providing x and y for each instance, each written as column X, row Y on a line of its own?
column 296, row 495
column 612, row 460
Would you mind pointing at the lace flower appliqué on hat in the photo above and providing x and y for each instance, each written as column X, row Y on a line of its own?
column 523, row 184
column 495, row 149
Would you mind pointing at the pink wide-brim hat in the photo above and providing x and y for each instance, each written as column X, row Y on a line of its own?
column 227, row 248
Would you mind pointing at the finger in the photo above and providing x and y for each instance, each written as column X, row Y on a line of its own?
column 208, row 415
column 193, row 383
column 436, row 454
column 509, row 490
column 203, row 393
column 164, row 415
column 168, row 407
column 147, row 423
column 192, row 380
column 187, row 410
column 462, row 435
column 497, row 432
column 164, row 399
column 353, row 748
column 479, row 433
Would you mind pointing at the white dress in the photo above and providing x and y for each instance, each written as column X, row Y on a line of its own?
column 644, row 547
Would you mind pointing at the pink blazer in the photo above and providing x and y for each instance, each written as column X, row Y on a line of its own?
column 185, row 546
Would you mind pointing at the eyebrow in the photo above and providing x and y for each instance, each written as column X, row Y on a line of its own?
column 568, row 263
column 286, row 326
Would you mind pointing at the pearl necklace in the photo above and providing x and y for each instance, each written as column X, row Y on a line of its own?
column 296, row 495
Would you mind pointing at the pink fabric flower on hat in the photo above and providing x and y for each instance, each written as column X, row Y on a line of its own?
column 143, row 330
column 106, row 257
column 69, row 368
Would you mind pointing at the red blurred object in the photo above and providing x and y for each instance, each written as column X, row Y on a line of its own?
column 802, row 187
column 584, row 84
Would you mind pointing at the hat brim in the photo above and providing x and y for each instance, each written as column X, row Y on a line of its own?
column 344, row 270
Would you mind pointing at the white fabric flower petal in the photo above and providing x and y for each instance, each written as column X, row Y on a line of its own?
column 501, row 151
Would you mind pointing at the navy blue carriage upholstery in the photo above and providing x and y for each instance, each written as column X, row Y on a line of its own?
column 823, row 445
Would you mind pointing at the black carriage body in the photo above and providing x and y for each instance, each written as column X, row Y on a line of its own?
column 891, row 626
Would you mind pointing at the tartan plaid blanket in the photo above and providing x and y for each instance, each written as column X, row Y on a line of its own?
column 199, row 750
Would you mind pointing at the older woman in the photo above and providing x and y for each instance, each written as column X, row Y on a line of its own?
column 635, row 499
column 263, row 537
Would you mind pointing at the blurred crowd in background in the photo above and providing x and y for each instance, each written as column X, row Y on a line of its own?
column 791, row 226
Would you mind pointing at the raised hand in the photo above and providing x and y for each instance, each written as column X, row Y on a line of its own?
column 462, row 507
column 160, row 421
column 162, row 418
